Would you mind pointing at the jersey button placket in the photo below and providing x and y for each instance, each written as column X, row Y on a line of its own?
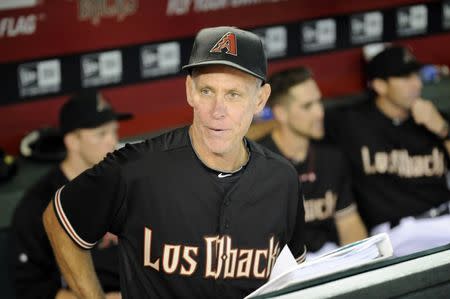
column 226, row 215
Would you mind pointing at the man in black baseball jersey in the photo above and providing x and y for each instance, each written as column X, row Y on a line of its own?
column 88, row 127
column 201, row 212
column 398, row 145
column 330, row 213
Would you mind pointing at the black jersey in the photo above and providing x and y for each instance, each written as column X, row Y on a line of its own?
column 326, row 187
column 36, row 274
column 398, row 169
column 180, row 234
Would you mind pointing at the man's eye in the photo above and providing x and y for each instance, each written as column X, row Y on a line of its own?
column 205, row 91
column 234, row 95
column 306, row 106
column 101, row 133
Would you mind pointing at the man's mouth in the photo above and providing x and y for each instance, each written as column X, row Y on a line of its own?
column 217, row 130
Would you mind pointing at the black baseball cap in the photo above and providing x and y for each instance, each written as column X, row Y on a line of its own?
column 394, row 61
column 229, row 46
column 87, row 109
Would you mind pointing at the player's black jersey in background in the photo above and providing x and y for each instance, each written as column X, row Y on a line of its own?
column 36, row 272
column 327, row 190
column 398, row 169
column 180, row 236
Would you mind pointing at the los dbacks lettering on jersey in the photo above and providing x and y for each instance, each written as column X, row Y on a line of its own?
column 399, row 168
column 182, row 234
column 222, row 260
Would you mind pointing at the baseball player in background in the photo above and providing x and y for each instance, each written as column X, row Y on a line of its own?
column 331, row 214
column 398, row 145
column 88, row 125
column 201, row 212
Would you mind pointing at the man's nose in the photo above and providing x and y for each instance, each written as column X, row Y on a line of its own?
column 219, row 108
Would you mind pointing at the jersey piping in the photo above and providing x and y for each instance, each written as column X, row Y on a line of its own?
column 66, row 224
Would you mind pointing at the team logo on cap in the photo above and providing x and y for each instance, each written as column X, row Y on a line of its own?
column 228, row 42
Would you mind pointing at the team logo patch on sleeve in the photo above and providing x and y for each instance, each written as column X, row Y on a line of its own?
column 228, row 42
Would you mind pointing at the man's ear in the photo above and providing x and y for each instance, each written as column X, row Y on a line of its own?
column 263, row 96
column 379, row 86
column 71, row 141
column 280, row 113
column 189, row 90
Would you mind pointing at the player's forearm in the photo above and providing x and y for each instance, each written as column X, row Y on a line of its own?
column 75, row 263
column 350, row 228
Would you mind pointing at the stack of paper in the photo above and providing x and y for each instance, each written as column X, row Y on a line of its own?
column 349, row 256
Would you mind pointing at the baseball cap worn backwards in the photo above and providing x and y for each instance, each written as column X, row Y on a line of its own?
column 395, row 61
column 87, row 110
column 230, row 46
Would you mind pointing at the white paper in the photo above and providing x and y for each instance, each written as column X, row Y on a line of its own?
column 284, row 262
column 352, row 255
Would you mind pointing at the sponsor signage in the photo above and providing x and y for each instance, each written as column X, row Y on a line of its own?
column 101, row 68
column 446, row 15
column 17, row 4
column 16, row 26
column 150, row 60
column 366, row 27
column 318, row 35
column 42, row 77
column 275, row 40
column 412, row 20
column 94, row 11
column 160, row 59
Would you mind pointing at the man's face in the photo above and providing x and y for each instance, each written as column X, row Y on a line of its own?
column 224, row 101
column 304, row 111
column 95, row 143
column 403, row 91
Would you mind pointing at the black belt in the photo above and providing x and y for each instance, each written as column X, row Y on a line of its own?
column 443, row 209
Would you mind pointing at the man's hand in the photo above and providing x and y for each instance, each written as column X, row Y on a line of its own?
column 425, row 113
column 108, row 240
